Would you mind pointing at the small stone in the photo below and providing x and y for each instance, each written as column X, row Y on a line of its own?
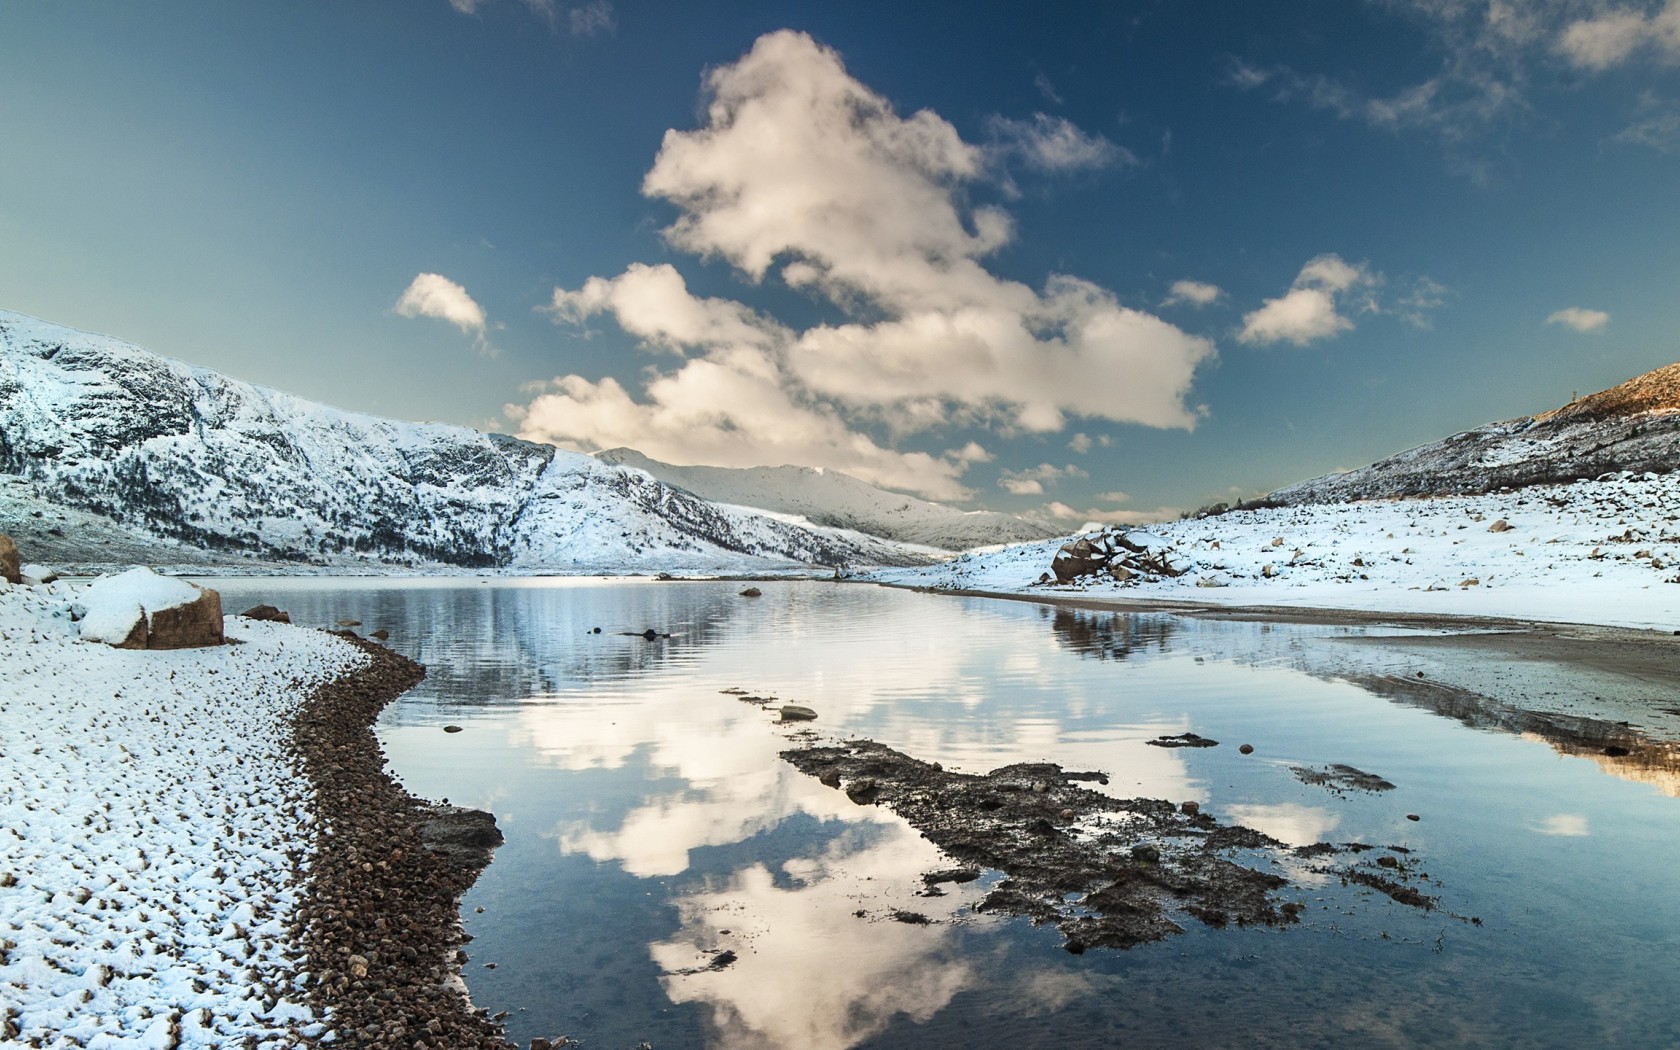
column 863, row 791
column 381, row 635
column 452, row 729
column 1190, row 809
column 1247, row 749
column 1146, row 854
column 797, row 713
column 1413, row 816
column 752, row 592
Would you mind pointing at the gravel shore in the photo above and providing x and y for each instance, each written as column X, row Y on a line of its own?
column 379, row 918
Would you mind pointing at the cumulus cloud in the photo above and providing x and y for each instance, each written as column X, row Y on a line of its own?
column 1580, row 320
column 799, row 173
column 434, row 295
column 1192, row 293
column 1614, row 35
column 1311, row 309
column 1081, row 443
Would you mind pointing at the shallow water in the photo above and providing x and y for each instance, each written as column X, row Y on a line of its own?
column 649, row 821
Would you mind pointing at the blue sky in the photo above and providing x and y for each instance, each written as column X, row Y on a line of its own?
column 1110, row 261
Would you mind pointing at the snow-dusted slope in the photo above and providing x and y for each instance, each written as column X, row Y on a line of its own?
column 154, row 445
column 1598, row 551
column 828, row 497
column 153, row 822
column 1631, row 427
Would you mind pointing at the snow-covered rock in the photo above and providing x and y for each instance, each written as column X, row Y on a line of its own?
column 182, row 453
column 139, row 609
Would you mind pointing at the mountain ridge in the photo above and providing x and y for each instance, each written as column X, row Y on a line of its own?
column 1631, row 427
column 100, row 425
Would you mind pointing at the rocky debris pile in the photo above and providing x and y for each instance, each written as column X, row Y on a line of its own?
column 380, row 921
column 1125, row 557
column 1104, row 870
column 139, row 609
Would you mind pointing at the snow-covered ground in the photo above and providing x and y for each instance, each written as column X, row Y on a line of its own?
column 1602, row 552
column 151, row 819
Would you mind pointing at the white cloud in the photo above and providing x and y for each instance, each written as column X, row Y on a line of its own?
column 434, row 295
column 1192, row 293
column 653, row 303
column 1055, row 144
column 1311, row 309
column 727, row 412
column 1031, row 482
column 592, row 18
column 1614, row 35
column 1081, row 443
column 800, row 172
column 1047, row 89
column 1580, row 320
column 1416, row 306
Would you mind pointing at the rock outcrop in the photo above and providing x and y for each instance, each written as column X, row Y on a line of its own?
column 1121, row 556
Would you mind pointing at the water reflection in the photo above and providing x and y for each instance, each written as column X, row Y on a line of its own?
column 1112, row 636
column 650, row 822
column 822, row 965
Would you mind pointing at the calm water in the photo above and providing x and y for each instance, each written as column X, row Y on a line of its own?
column 649, row 822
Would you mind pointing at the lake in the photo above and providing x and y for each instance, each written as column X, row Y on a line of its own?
column 651, row 824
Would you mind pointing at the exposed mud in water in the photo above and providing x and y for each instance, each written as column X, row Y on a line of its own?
column 1107, row 872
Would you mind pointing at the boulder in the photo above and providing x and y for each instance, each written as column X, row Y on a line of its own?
column 752, row 592
column 139, row 609
column 10, row 563
column 189, row 626
column 797, row 713
column 267, row 612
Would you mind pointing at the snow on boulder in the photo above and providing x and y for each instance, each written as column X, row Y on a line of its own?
column 9, row 561
column 139, row 609
column 36, row 575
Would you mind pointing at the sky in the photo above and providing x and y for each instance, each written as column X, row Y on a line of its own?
column 1106, row 262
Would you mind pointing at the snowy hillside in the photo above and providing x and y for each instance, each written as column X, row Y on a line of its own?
column 1631, row 427
column 840, row 500
column 165, row 449
column 1599, row 551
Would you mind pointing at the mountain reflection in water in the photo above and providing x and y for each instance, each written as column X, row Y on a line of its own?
column 650, row 824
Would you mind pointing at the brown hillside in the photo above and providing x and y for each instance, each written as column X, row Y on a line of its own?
column 1655, row 391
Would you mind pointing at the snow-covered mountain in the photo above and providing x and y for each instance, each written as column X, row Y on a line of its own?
column 161, row 448
column 1632, row 427
column 828, row 497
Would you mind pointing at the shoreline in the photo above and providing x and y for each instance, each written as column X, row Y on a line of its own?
column 380, row 914
column 1575, row 641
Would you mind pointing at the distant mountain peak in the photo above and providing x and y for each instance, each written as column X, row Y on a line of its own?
column 1656, row 391
column 838, row 500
